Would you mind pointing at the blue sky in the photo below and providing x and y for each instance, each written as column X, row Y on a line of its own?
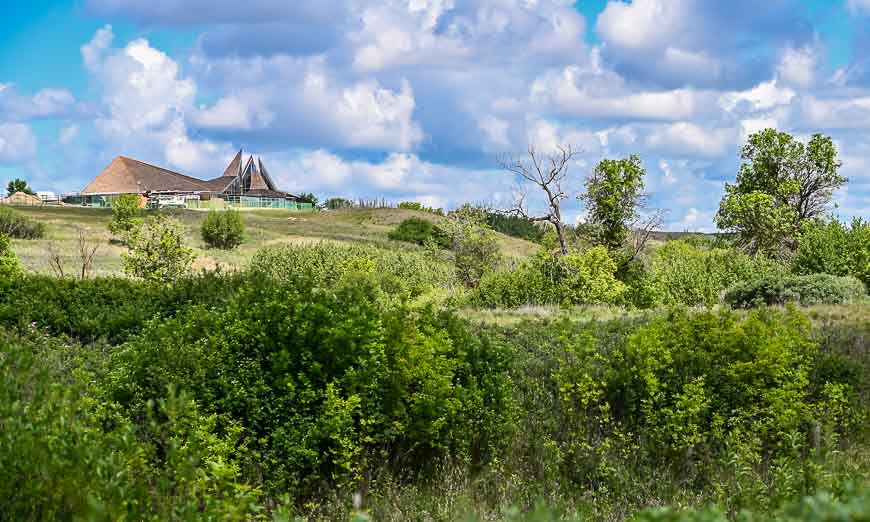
column 416, row 99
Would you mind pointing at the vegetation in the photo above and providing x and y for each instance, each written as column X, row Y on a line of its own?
column 804, row 290
column 125, row 215
column 16, row 225
column 613, row 197
column 420, row 231
column 515, row 226
column 9, row 265
column 18, row 185
column 415, row 205
column 157, row 252
column 223, row 229
column 830, row 247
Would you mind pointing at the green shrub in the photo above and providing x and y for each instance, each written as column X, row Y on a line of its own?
column 9, row 265
column 156, row 251
column 803, row 290
column 326, row 385
column 832, row 248
column 587, row 278
column 419, row 231
column 401, row 273
column 685, row 274
column 415, row 205
column 18, row 226
column 223, row 229
column 516, row 226
column 125, row 214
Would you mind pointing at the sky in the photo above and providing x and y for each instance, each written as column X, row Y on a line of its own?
column 418, row 99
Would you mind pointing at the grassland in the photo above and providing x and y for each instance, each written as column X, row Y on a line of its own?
column 263, row 228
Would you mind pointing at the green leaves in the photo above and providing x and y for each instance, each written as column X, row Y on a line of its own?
column 157, row 252
column 613, row 196
column 223, row 229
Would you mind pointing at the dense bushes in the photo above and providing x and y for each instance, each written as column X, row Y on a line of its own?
column 224, row 229
column 587, row 278
column 9, row 265
column 324, row 385
column 157, row 252
column 685, row 274
column 516, row 226
column 804, row 290
column 832, row 248
column 401, row 273
column 15, row 225
column 419, row 231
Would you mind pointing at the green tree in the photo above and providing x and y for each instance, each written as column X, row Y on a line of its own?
column 157, row 252
column 475, row 248
column 614, row 199
column 9, row 265
column 125, row 214
column 309, row 197
column 782, row 184
column 19, row 185
column 223, row 229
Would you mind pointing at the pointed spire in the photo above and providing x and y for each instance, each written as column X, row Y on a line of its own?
column 235, row 165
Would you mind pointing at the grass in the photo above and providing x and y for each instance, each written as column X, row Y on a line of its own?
column 262, row 228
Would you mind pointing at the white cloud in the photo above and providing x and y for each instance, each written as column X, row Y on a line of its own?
column 799, row 66
column 68, row 134
column 687, row 139
column 18, row 144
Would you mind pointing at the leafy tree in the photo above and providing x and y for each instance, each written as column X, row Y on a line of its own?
column 19, row 185
column 831, row 247
column 338, row 203
column 9, row 265
column 420, row 231
column 223, row 229
column 157, row 252
column 125, row 214
column 782, row 184
column 614, row 198
column 309, row 197
column 475, row 248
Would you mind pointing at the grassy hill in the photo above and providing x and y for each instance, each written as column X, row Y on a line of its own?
column 263, row 228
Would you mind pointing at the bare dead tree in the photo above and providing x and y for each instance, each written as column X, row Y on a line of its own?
column 548, row 173
column 87, row 251
column 55, row 261
column 642, row 229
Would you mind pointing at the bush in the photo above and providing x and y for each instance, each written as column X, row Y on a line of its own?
column 125, row 214
column 516, row 226
column 685, row 274
column 157, row 252
column 833, row 248
column 803, row 290
column 9, row 265
column 15, row 225
column 401, row 273
column 415, row 205
column 587, row 278
column 419, row 231
column 223, row 229
column 325, row 385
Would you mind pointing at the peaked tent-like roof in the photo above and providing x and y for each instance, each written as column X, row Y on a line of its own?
column 128, row 176
column 21, row 198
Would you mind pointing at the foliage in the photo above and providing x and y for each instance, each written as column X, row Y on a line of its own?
column 401, row 273
column 516, row 226
column 474, row 245
column 125, row 214
column 19, row 185
column 156, row 251
column 587, row 278
column 684, row 274
column 416, row 205
column 830, row 247
column 223, row 229
column 614, row 194
column 16, row 225
column 338, row 203
column 309, row 197
column 325, row 385
column 782, row 184
column 9, row 265
column 803, row 290
column 419, row 231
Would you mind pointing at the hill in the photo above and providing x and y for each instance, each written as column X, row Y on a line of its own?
column 263, row 228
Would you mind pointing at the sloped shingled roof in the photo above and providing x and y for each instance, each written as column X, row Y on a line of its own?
column 128, row 176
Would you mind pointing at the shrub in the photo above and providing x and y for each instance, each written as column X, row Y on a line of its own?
column 415, row 205
column 587, row 278
column 324, row 384
column 125, row 214
column 223, row 229
column 803, row 290
column 157, row 252
column 15, row 225
column 419, row 231
column 9, row 265
column 832, row 248
column 516, row 226
column 338, row 203
column 401, row 273
column 684, row 274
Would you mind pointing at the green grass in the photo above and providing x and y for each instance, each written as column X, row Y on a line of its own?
column 263, row 228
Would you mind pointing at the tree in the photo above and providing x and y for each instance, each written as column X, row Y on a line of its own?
column 18, row 185
column 475, row 248
column 9, row 265
column 125, row 214
column 157, row 252
column 547, row 172
column 782, row 184
column 309, row 197
column 614, row 199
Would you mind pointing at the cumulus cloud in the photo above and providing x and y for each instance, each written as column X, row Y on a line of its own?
column 18, row 144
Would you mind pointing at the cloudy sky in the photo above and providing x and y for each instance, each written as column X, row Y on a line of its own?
column 416, row 99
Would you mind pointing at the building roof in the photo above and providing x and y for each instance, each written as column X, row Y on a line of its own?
column 128, row 176
column 21, row 198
